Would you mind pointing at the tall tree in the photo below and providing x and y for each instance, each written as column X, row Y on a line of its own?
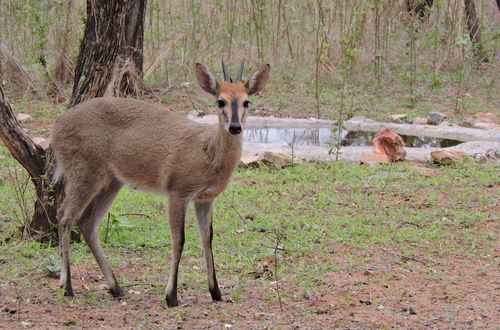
column 110, row 62
column 474, row 31
column 110, row 56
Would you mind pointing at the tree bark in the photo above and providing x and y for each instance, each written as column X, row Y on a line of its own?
column 33, row 158
column 134, row 32
column 110, row 56
column 111, row 49
column 474, row 31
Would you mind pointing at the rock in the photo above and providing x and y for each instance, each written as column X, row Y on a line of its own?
column 420, row 121
column 44, row 143
column 277, row 158
column 412, row 310
column 491, row 153
column 444, row 123
column 23, row 118
column 493, row 127
column 491, row 116
column 389, row 143
column 435, row 118
column 250, row 161
column 447, row 157
column 424, row 171
column 398, row 117
column 373, row 159
column 487, row 126
column 470, row 122
column 481, row 158
column 196, row 113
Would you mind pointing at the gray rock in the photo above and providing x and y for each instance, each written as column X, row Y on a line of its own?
column 435, row 118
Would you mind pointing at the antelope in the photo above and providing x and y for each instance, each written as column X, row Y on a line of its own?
column 104, row 143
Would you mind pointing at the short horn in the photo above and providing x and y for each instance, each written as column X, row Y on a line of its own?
column 224, row 69
column 240, row 71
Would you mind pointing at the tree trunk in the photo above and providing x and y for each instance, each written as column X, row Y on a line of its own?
column 32, row 158
column 134, row 32
column 110, row 52
column 474, row 31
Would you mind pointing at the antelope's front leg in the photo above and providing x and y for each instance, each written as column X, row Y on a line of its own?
column 177, row 215
column 204, row 215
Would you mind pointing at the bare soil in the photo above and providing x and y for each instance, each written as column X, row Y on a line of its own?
column 389, row 290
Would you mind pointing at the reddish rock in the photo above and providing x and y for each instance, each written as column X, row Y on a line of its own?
column 491, row 116
column 389, row 143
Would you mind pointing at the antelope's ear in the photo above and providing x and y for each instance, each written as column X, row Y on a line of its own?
column 206, row 79
column 258, row 80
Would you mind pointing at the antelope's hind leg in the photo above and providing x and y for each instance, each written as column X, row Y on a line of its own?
column 204, row 215
column 79, row 194
column 89, row 226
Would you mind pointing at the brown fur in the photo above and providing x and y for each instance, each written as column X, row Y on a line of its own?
column 104, row 143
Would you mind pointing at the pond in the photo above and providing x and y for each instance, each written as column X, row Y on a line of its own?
column 326, row 137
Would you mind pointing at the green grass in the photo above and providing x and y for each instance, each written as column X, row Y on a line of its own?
column 314, row 207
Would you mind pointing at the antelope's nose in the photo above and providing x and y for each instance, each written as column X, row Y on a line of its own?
column 235, row 129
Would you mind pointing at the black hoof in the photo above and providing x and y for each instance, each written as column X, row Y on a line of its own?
column 216, row 295
column 117, row 292
column 68, row 292
column 171, row 302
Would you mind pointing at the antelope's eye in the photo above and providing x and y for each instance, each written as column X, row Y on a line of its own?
column 246, row 103
column 221, row 103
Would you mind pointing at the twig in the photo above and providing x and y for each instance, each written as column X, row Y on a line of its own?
column 136, row 214
column 402, row 256
column 411, row 223
column 232, row 206
column 279, row 237
column 191, row 100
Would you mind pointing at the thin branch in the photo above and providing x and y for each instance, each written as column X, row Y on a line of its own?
column 30, row 155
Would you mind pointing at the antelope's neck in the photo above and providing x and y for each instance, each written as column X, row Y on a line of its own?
column 226, row 149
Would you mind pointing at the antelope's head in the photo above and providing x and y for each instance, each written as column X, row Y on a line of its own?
column 232, row 97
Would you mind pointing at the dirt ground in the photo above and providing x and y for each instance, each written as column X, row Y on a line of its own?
column 390, row 290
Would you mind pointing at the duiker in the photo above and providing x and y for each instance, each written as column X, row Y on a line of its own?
column 104, row 143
